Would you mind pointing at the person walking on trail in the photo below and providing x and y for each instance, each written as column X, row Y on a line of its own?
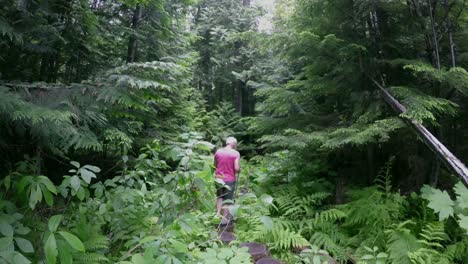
column 227, row 163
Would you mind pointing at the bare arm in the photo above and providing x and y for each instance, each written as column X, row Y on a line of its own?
column 237, row 164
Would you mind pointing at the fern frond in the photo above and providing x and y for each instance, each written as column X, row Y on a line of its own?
column 384, row 177
column 330, row 215
column 324, row 241
column 89, row 258
column 457, row 251
column 400, row 241
column 96, row 242
column 280, row 238
column 433, row 234
column 296, row 205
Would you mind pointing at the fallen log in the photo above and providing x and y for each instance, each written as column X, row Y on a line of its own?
column 450, row 160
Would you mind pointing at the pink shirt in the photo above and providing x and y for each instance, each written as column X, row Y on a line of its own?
column 225, row 163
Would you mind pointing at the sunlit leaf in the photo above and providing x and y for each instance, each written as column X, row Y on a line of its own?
column 73, row 241
column 50, row 249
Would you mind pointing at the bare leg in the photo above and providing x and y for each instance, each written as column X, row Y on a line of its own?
column 225, row 217
column 225, row 212
column 219, row 205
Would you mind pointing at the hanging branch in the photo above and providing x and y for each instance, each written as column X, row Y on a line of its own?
column 452, row 162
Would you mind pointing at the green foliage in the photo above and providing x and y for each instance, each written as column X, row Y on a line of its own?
column 14, row 245
column 232, row 255
column 283, row 239
column 77, row 185
column 384, row 178
column 422, row 107
column 293, row 205
column 444, row 206
column 220, row 123
column 376, row 225
column 122, row 109
column 66, row 94
column 432, row 237
column 400, row 241
column 34, row 188
column 313, row 255
column 60, row 243
column 227, row 54
column 374, row 256
column 455, row 78
column 151, row 211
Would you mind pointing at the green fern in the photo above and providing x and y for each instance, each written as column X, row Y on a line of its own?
column 279, row 238
column 331, row 215
column 6, row 30
column 400, row 241
column 458, row 251
column 326, row 242
column 371, row 209
column 431, row 251
column 90, row 258
column 96, row 242
column 296, row 205
column 384, row 178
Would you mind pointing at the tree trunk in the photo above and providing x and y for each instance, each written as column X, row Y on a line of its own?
column 240, row 97
column 38, row 160
column 43, row 69
column 418, row 13
column 450, row 36
column 435, row 172
column 436, row 62
column 133, row 41
column 435, row 44
column 370, row 163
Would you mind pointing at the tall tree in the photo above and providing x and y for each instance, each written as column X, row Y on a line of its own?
column 223, row 28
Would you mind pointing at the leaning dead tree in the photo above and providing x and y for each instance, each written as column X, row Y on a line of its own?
column 452, row 162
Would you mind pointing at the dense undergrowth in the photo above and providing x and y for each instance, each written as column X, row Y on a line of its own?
column 149, row 213
column 161, row 210
column 375, row 225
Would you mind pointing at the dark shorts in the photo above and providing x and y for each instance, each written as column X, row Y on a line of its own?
column 225, row 193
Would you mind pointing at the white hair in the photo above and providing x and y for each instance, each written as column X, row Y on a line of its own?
column 231, row 140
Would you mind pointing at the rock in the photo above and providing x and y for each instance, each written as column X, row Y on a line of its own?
column 256, row 250
column 226, row 237
column 268, row 261
column 229, row 227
